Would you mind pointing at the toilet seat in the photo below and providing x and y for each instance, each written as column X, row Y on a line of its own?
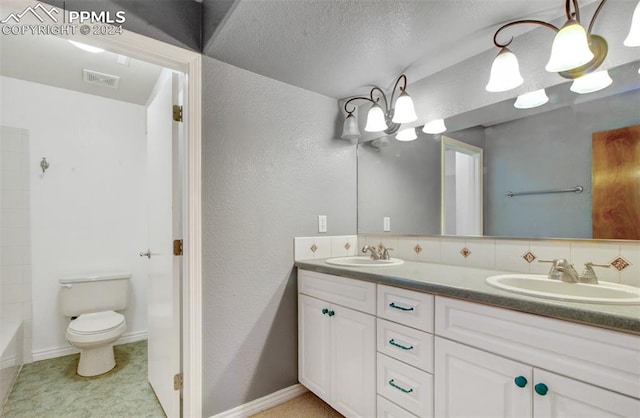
column 96, row 323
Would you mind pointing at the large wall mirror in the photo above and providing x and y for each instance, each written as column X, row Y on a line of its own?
column 547, row 148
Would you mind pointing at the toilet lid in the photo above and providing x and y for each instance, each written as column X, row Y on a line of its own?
column 97, row 322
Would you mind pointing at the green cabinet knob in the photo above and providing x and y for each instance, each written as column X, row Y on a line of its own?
column 331, row 313
column 325, row 311
column 521, row 381
column 541, row 389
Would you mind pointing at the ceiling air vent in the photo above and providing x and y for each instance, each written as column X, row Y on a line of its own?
column 101, row 79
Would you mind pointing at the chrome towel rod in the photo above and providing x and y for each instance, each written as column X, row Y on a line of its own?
column 577, row 189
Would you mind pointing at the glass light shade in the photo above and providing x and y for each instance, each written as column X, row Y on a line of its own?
column 570, row 48
column 531, row 99
column 591, row 82
column 408, row 134
column 85, row 47
column 633, row 38
column 505, row 72
column 434, row 127
column 404, row 111
column 350, row 128
column 375, row 119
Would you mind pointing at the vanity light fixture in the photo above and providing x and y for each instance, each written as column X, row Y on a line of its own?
column 434, row 127
column 591, row 82
column 532, row 99
column 574, row 53
column 408, row 134
column 385, row 119
column 85, row 47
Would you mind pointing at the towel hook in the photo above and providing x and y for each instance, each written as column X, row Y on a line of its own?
column 44, row 164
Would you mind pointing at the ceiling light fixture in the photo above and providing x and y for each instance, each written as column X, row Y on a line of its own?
column 385, row 119
column 574, row 53
column 408, row 134
column 85, row 47
column 531, row 99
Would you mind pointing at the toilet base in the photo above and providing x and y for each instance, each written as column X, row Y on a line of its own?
column 96, row 360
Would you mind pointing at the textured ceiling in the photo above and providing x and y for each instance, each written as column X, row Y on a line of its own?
column 338, row 47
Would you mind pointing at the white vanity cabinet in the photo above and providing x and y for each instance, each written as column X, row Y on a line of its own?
column 336, row 341
column 508, row 375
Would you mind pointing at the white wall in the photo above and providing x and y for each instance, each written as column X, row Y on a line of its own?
column 88, row 211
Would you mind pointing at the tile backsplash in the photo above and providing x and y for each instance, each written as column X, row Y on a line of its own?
column 518, row 255
column 309, row 248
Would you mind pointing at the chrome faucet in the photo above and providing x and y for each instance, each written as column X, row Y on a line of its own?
column 378, row 253
column 562, row 270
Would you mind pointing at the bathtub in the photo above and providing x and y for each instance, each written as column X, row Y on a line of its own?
column 11, row 357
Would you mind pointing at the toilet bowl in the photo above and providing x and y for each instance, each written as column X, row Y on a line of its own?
column 94, row 334
column 91, row 302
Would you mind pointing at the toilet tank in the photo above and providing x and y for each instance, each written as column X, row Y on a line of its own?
column 86, row 293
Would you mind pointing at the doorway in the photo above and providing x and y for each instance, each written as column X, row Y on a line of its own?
column 461, row 188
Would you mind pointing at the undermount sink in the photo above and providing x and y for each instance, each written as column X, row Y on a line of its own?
column 363, row 261
column 543, row 287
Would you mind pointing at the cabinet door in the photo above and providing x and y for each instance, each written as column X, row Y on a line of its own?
column 314, row 346
column 473, row 383
column 353, row 366
column 568, row 398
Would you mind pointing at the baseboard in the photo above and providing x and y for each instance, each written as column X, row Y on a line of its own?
column 266, row 402
column 56, row 352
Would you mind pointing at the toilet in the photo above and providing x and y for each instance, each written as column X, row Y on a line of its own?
column 91, row 301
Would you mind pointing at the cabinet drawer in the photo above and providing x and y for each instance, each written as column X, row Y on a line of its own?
column 410, row 388
column 414, row 309
column 387, row 409
column 355, row 294
column 406, row 344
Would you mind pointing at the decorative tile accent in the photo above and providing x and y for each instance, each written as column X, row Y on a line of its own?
column 417, row 249
column 314, row 248
column 620, row 263
column 529, row 257
column 381, row 246
column 465, row 252
column 347, row 246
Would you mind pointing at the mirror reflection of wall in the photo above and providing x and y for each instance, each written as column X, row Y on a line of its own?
column 547, row 150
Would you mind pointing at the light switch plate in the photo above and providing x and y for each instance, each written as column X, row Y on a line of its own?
column 386, row 224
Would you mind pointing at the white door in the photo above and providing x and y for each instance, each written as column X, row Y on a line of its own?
column 164, row 211
column 474, row 383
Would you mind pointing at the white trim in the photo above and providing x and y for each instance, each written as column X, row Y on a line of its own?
column 56, row 352
column 264, row 403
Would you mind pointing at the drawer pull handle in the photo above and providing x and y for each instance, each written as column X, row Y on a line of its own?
column 404, row 347
column 520, row 381
column 541, row 389
column 400, row 388
column 402, row 308
column 331, row 313
column 325, row 311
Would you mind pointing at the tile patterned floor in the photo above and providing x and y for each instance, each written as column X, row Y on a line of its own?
column 307, row 405
column 52, row 389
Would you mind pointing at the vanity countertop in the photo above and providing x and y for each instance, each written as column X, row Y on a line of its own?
column 469, row 283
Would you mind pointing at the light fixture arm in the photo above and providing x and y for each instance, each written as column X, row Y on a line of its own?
column 595, row 15
column 520, row 22
column 395, row 86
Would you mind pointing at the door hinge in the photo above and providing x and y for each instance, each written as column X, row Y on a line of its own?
column 178, row 381
column 177, row 247
column 177, row 113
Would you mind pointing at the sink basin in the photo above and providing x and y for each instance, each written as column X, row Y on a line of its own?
column 543, row 287
column 363, row 261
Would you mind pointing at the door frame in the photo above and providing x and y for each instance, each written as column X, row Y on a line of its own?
column 190, row 63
